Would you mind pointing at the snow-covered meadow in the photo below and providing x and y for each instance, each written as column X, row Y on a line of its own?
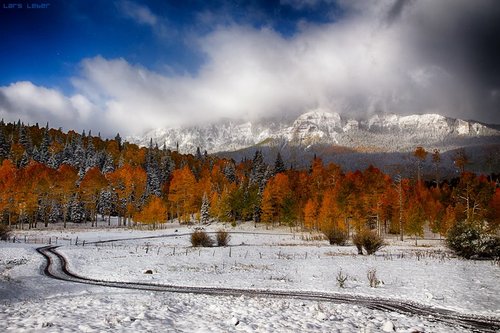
column 257, row 259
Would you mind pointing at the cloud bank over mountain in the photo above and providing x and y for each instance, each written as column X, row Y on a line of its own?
column 379, row 56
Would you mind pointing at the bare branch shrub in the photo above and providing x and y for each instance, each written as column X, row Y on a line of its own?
column 341, row 279
column 4, row 232
column 223, row 238
column 372, row 278
column 201, row 238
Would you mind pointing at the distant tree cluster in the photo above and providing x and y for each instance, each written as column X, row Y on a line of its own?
column 47, row 176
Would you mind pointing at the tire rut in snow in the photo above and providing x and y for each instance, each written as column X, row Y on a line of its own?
column 57, row 267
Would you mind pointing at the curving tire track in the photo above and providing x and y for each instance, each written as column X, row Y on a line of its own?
column 57, row 267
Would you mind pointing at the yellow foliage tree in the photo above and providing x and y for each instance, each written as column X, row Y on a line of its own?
column 154, row 212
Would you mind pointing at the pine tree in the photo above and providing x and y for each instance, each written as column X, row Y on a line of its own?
column 205, row 209
column 91, row 157
column 76, row 210
column 54, row 161
column 67, row 156
column 153, row 183
column 118, row 140
column 167, row 166
column 25, row 159
column 230, row 172
column 25, row 139
column 54, row 212
column 43, row 151
column 279, row 166
column 258, row 172
column 105, row 203
column 108, row 166
column 35, row 155
column 4, row 145
column 79, row 155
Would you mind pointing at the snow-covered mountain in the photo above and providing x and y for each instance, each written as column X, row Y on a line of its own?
column 378, row 133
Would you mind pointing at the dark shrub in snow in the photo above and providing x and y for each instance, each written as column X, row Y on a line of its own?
column 336, row 237
column 223, row 238
column 4, row 232
column 201, row 238
column 368, row 240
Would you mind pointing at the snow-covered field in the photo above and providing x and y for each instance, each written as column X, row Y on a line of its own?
column 256, row 258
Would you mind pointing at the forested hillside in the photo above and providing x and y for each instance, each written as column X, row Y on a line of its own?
column 48, row 176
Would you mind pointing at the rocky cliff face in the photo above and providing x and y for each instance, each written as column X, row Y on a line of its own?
column 380, row 133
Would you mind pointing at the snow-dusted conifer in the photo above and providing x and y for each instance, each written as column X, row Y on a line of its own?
column 205, row 209
column 4, row 144
column 43, row 150
column 153, row 184
column 279, row 165
column 108, row 165
column 230, row 172
column 25, row 159
column 76, row 210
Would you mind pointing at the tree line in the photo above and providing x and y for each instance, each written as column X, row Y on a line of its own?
column 48, row 176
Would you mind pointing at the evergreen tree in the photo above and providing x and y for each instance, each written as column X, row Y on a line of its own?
column 25, row 159
column 76, row 210
column 43, row 151
column 4, row 145
column 105, row 203
column 153, row 183
column 258, row 172
column 205, row 209
column 79, row 155
column 35, row 155
column 67, row 156
column 167, row 166
column 55, row 161
column 25, row 139
column 230, row 172
column 118, row 140
column 198, row 154
column 279, row 166
column 54, row 212
column 91, row 156
column 108, row 166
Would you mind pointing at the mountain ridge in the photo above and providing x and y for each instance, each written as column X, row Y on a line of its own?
column 379, row 132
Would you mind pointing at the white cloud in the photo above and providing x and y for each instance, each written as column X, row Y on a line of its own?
column 141, row 14
column 31, row 104
column 359, row 64
column 144, row 16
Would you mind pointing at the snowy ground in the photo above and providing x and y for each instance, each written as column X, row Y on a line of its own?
column 257, row 258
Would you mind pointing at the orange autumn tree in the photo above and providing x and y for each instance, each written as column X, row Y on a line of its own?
column 275, row 198
column 330, row 217
column 182, row 193
column 33, row 184
column 64, row 188
column 129, row 184
column 90, row 188
column 311, row 215
column 155, row 211
column 7, row 186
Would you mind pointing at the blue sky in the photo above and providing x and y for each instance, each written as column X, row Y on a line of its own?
column 45, row 46
column 131, row 65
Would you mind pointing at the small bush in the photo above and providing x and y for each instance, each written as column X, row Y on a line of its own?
column 368, row 240
column 336, row 237
column 223, row 238
column 341, row 279
column 372, row 278
column 357, row 240
column 201, row 238
column 469, row 240
column 4, row 232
